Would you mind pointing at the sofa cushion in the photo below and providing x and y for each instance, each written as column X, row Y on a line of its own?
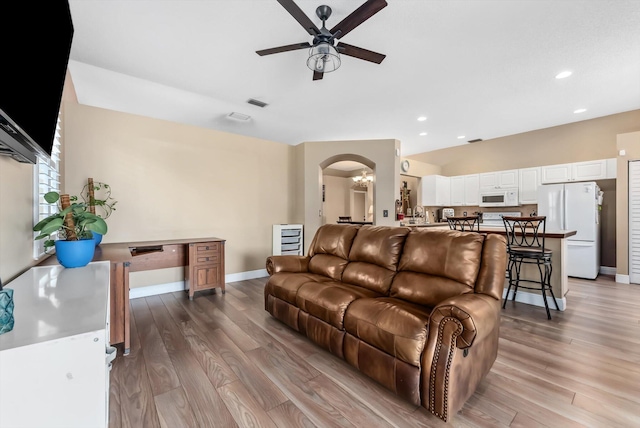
column 330, row 248
column 397, row 327
column 374, row 256
column 328, row 301
column 436, row 265
column 285, row 285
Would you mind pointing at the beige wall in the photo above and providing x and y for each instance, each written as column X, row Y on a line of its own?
column 336, row 202
column 379, row 155
column 574, row 142
column 177, row 181
column 630, row 142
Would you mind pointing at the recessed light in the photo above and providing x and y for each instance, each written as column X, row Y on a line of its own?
column 422, row 134
column 580, row 110
column 563, row 74
column 422, row 118
column 460, row 137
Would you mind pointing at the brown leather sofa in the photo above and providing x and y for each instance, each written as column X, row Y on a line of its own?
column 416, row 310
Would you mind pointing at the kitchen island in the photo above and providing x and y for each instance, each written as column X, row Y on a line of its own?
column 555, row 241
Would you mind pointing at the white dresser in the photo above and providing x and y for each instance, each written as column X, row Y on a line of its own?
column 54, row 364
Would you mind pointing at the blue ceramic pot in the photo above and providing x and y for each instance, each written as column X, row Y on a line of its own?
column 71, row 254
column 97, row 237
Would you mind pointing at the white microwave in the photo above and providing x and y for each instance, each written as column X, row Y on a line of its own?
column 499, row 198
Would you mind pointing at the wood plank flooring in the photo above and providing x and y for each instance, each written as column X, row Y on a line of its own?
column 222, row 361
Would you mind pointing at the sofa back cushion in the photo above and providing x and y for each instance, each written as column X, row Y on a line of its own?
column 437, row 264
column 374, row 256
column 330, row 248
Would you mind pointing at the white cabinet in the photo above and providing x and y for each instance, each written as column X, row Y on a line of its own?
column 612, row 168
column 528, row 188
column 434, row 191
column 507, row 179
column 54, row 364
column 457, row 191
column 472, row 189
column 577, row 171
column 287, row 239
column 464, row 190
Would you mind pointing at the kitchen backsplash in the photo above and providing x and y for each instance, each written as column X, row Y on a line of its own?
column 470, row 210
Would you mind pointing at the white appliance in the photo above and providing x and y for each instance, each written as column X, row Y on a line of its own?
column 494, row 219
column 575, row 206
column 499, row 198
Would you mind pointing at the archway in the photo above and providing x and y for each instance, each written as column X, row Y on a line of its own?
column 344, row 198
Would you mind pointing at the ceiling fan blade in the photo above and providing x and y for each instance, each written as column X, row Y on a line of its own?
column 318, row 75
column 300, row 16
column 286, row 48
column 357, row 17
column 360, row 53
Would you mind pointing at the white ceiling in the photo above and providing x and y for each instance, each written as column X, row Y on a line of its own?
column 482, row 69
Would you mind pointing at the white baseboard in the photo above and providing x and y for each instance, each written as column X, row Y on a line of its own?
column 622, row 279
column 170, row 287
column 607, row 270
column 243, row 276
column 535, row 299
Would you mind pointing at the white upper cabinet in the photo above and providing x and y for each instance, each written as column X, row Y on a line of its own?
column 499, row 180
column 577, row 171
column 457, row 191
column 529, row 182
column 472, row 189
column 434, row 191
column 465, row 190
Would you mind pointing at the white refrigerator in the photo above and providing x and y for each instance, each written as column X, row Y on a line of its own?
column 575, row 206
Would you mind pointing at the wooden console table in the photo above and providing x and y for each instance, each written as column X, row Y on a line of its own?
column 202, row 258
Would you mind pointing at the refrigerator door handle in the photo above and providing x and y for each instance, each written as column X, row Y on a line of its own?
column 564, row 209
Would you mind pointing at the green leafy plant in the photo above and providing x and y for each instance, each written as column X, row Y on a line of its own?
column 101, row 198
column 84, row 222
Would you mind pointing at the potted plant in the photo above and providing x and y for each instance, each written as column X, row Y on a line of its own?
column 74, row 225
column 98, row 194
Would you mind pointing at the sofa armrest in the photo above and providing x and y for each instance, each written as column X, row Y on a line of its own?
column 468, row 323
column 476, row 316
column 287, row 264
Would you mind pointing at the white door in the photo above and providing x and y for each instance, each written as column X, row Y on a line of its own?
column 551, row 204
column 580, row 209
column 634, row 222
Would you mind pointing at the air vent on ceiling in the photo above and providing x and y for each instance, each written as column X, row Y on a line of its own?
column 475, row 141
column 238, row 116
column 255, row 102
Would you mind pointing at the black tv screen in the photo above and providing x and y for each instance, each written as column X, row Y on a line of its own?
column 35, row 58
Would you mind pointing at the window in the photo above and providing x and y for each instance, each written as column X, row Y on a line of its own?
column 46, row 179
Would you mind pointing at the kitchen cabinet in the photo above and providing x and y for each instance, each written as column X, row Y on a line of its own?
column 55, row 362
column 529, row 180
column 206, row 267
column 464, row 190
column 507, row 179
column 472, row 189
column 457, row 191
column 287, row 239
column 576, row 171
column 434, row 191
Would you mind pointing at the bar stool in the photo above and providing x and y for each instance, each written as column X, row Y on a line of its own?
column 469, row 223
column 525, row 245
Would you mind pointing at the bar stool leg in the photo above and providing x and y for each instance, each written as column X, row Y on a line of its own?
column 510, row 277
column 543, row 286
column 548, row 270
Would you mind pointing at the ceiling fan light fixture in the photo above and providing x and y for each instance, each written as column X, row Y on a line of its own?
column 323, row 58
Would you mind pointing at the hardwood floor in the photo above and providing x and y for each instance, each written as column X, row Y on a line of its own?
column 222, row 361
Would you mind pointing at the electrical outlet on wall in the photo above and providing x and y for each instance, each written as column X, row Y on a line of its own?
column 385, row 213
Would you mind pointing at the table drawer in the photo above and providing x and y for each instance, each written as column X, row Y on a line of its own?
column 207, row 248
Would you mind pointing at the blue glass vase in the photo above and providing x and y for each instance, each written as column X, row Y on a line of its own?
column 72, row 254
column 6, row 309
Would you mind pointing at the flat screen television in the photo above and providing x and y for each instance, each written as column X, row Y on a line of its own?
column 35, row 58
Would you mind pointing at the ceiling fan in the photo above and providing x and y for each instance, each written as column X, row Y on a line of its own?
column 323, row 55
